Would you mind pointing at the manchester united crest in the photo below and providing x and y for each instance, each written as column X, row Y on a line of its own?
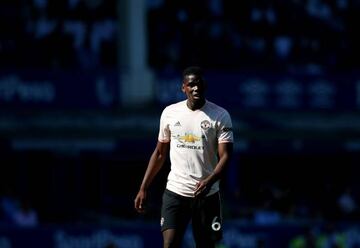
column 205, row 124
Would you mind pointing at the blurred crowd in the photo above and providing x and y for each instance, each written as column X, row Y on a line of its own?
column 312, row 34
column 220, row 34
column 293, row 187
column 46, row 34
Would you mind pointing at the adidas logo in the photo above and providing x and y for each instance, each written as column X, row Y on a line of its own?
column 177, row 124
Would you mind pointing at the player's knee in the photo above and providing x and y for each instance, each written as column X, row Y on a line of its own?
column 171, row 243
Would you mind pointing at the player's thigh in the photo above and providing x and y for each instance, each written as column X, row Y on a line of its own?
column 175, row 212
column 207, row 221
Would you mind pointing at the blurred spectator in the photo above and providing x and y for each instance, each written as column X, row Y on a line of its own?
column 266, row 216
column 267, row 212
column 306, row 240
column 18, row 211
column 25, row 215
column 347, row 204
column 9, row 204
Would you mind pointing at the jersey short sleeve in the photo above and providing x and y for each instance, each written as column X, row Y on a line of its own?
column 164, row 131
column 225, row 129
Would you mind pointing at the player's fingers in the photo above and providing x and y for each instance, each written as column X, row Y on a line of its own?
column 140, row 207
column 138, row 204
column 199, row 190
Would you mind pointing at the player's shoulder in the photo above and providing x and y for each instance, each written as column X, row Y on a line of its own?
column 175, row 106
column 217, row 108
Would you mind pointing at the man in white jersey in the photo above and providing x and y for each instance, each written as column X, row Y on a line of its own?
column 199, row 136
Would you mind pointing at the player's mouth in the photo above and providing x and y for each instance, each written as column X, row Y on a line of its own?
column 196, row 95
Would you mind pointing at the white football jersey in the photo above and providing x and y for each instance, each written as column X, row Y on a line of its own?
column 194, row 138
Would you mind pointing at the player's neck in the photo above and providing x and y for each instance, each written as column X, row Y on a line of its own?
column 194, row 105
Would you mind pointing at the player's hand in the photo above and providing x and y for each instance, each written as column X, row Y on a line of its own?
column 140, row 202
column 202, row 188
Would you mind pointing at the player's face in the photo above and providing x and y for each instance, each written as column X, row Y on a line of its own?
column 194, row 88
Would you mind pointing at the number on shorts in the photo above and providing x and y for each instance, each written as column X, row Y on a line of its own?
column 216, row 225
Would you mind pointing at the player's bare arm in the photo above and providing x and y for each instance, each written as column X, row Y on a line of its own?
column 156, row 162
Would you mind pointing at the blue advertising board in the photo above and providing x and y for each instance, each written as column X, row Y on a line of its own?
column 59, row 89
column 237, row 90
column 147, row 235
column 271, row 91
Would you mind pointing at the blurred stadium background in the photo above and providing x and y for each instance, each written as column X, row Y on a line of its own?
column 83, row 84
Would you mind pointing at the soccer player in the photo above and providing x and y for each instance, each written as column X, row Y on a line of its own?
column 199, row 137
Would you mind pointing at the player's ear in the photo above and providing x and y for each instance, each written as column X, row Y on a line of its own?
column 183, row 87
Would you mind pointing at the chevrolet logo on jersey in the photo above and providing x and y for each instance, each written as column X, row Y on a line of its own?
column 189, row 138
column 188, row 141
